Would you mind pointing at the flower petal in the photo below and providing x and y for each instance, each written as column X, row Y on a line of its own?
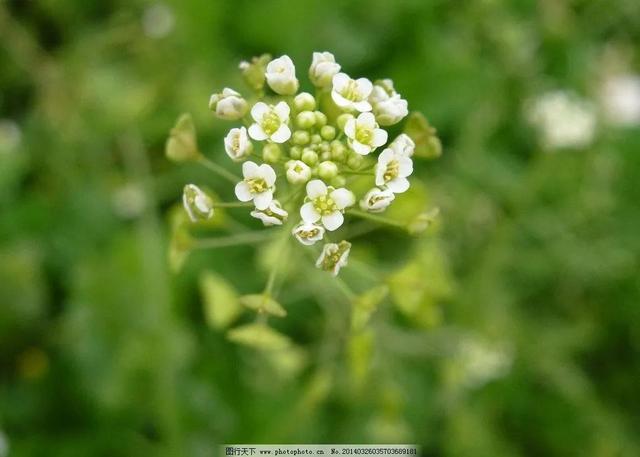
column 385, row 157
column 360, row 148
column 364, row 87
column 333, row 221
column 263, row 199
column 340, row 80
column 268, row 174
column 258, row 111
column 379, row 137
column 308, row 213
column 256, row 132
column 282, row 134
column 242, row 192
column 316, row 188
column 282, row 110
column 340, row 100
column 250, row 169
column 350, row 128
column 343, row 198
column 367, row 120
column 362, row 106
column 405, row 166
column 398, row 185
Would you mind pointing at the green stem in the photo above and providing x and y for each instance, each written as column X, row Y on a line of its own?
column 231, row 204
column 233, row 240
column 219, row 170
column 356, row 172
column 376, row 218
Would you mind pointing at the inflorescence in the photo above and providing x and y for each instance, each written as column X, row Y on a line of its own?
column 301, row 154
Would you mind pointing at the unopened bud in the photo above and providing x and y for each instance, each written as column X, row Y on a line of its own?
column 305, row 120
column 197, row 204
column 182, row 145
column 271, row 152
column 304, row 101
column 327, row 170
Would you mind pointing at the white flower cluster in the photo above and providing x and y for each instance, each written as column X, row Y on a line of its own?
column 312, row 148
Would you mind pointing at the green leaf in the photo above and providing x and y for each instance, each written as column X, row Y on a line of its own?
column 263, row 304
column 365, row 305
column 220, row 300
column 259, row 336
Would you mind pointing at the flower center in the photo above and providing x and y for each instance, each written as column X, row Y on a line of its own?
column 364, row 135
column 235, row 143
column 309, row 233
column 270, row 122
column 325, row 205
column 393, row 168
column 256, row 185
column 351, row 91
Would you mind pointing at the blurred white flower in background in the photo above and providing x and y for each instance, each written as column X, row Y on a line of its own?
column 482, row 362
column 4, row 445
column 620, row 98
column 10, row 136
column 129, row 201
column 563, row 120
column 157, row 20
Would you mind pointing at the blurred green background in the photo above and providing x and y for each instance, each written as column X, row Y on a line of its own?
column 512, row 329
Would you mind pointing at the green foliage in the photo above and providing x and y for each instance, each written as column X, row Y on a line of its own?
column 510, row 326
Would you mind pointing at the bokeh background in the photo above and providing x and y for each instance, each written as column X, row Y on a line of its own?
column 512, row 327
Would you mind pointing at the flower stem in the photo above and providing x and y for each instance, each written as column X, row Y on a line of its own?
column 376, row 218
column 219, row 170
column 233, row 240
column 231, row 204
column 276, row 267
column 356, row 172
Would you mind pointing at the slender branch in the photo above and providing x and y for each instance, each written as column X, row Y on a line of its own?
column 233, row 240
column 357, row 172
column 376, row 218
column 219, row 170
column 231, row 204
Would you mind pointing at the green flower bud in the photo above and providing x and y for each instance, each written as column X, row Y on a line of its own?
column 310, row 157
column 271, row 152
column 254, row 72
column 295, row 152
column 327, row 170
column 325, row 155
column 338, row 151
column 324, row 147
column 342, row 120
column 355, row 160
column 316, row 139
column 305, row 120
column 328, row 132
column 301, row 137
column 321, row 119
column 423, row 221
column 338, row 181
column 304, row 101
column 182, row 145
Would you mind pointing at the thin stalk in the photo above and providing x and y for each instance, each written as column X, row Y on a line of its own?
column 231, row 204
column 219, row 170
column 233, row 240
column 376, row 218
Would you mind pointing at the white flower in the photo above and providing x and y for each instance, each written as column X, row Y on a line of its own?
column 364, row 134
column 270, row 122
column 377, row 200
column 564, row 121
column 258, row 184
column 237, row 144
column 281, row 76
column 197, row 204
column 326, row 204
column 323, row 69
column 392, row 170
column 228, row 105
column 308, row 233
column 334, row 256
column 388, row 106
column 274, row 214
column 351, row 94
column 298, row 172
column 621, row 99
column 403, row 145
